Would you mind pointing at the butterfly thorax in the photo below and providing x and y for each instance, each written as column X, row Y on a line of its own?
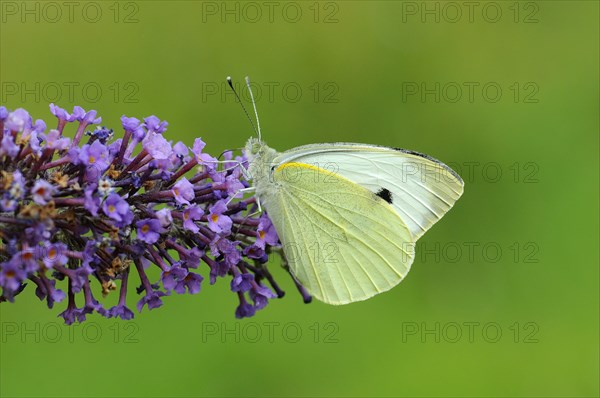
column 260, row 158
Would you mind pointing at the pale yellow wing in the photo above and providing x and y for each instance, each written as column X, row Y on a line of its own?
column 420, row 188
column 343, row 242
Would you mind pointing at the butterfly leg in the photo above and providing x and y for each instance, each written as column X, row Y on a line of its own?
column 237, row 164
column 239, row 191
column 259, row 207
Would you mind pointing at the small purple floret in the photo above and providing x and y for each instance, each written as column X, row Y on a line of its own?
column 148, row 230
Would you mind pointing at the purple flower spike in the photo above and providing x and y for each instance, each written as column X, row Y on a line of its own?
column 97, row 207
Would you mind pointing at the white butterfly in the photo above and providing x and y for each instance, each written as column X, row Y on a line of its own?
column 348, row 215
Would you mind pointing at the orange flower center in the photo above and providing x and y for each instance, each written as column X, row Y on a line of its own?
column 214, row 217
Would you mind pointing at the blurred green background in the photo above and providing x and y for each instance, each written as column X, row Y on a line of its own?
column 503, row 297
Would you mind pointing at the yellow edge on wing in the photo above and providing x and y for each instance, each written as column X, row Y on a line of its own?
column 294, row 164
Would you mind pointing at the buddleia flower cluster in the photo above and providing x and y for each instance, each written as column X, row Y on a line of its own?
column 93, row 209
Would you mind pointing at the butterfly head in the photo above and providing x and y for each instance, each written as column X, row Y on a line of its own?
column 260, row 157
column 254, row 147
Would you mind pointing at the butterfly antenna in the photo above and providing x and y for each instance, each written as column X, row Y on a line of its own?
column 228, row 150
column 254, row 105
column 243, row 107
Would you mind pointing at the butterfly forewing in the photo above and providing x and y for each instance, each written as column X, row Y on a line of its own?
column 419, row 188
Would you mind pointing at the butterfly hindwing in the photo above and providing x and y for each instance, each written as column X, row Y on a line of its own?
column 343, row 242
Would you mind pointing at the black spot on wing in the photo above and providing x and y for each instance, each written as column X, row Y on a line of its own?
column 385, row 194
